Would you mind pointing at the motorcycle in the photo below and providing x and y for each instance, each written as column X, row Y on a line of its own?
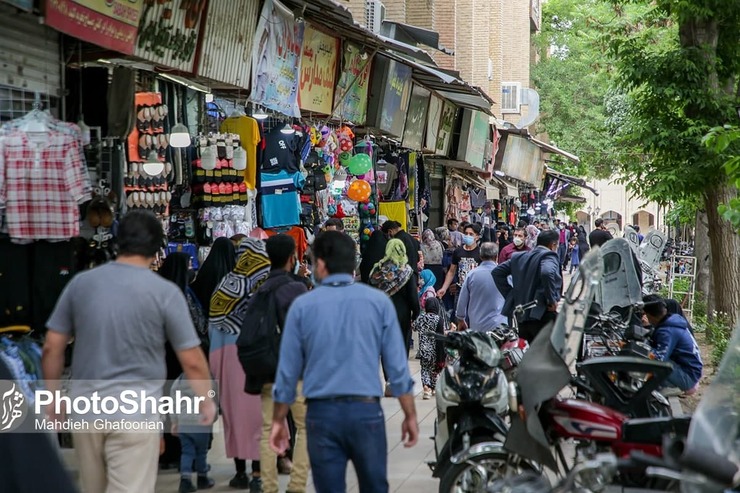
column 511, row 345
column 469, row 431
column 544, row 421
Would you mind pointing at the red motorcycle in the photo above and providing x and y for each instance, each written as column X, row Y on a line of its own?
column 543, row 421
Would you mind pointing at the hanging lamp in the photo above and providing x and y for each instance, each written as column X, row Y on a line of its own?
column 153, row 166
column 179, row 134
column 208, row 158
column 239, row 162
column 259, row 113
column 287, row 129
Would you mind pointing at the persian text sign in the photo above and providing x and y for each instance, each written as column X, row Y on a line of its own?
column 397, row 97
column 169, row 32
column 353, row 85
column 318, row 70
column 110, row 24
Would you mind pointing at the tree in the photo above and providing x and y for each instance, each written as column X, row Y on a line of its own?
column 678, row 64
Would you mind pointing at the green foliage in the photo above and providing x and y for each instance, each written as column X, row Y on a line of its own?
column 684, row 211
column 718, row 329
column 725, row 141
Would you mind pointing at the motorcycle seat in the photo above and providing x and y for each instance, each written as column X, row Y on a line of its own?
column 650, row 431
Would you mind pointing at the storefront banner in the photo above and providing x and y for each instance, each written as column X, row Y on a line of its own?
column 396, row 99
column 318, row 71
column 276, row 60
column 473, row 138
column 110, row 24
column 446, row 124
column 435, row 114
column 168, row 34
column 26, row 5
column 355, row 71
column 416, row 119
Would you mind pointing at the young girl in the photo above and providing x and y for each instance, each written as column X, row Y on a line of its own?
column 426, row 287
column 432, row 321
column 575, row 257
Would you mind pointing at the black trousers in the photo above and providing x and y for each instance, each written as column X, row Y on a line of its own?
column 528, row 330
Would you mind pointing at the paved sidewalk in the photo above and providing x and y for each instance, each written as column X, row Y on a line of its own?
column 407, row 469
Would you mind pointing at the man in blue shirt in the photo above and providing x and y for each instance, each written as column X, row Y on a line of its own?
column 480, row 303
column 334, row 339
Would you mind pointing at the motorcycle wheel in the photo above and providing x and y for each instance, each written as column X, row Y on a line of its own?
column 482, row 472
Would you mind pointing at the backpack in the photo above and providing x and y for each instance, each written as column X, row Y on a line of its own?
column 258, row 344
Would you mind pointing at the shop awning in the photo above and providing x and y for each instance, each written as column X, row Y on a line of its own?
column 572, row 199
column 579, row 182
column 552, row 149
column 422, row 36
column 453, row 163
column 468, row 177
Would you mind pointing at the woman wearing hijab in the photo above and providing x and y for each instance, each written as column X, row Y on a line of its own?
column 394, row 276
column 426, row 290
column 372, row 254
column 532, row 234
column 242, row 412
column 219, row 262
column 433, row 251
column 583, row 246
column 431, row 351
column 176, row 268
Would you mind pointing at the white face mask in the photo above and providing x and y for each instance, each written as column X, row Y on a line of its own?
column 518, row 241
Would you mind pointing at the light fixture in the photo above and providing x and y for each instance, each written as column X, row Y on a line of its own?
column 287, row 129
column 209, row 97
column 259, row 114
column 85, row 130
column 500, row 173
column 153, row 166
column 339, row 181
column 179, row 136
column 530, row 211
column 208, row 158
column 239, row 162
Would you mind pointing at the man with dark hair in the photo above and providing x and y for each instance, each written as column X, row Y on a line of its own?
column 640, row 236
column 672, row 341
column 480, row 303
column 456, row 239
column 452, row 224
column 334, row 224
column 464, row 259
column 281, row 249
column 516, row 246
column 336, row 337
column 392, row 229
column 117, row 341
column 535, row 276
column 600, row 234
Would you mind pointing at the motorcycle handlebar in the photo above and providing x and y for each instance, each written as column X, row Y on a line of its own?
column 525, row 307
column 713, row 466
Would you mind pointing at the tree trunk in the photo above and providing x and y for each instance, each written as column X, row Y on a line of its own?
column 703, row 254
column 725, row 243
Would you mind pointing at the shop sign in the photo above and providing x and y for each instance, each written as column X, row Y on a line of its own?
column 318, row 71
column 353, row 85
column 168, row 33
column 522, row 160
column 110, row 24
column 433, row 118
column 276, row 60
column 446, row 124
column 416, row 119
column 396, row 99
column 26, row 5
column 473, row 138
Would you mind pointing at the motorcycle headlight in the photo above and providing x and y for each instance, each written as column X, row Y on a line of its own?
column 449, row 394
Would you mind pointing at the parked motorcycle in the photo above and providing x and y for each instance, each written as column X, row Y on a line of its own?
column 511, row 345
column 470, row 430
column 545, row 422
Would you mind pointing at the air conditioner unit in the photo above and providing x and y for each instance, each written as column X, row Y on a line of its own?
column 511, row 94
column 374, row 15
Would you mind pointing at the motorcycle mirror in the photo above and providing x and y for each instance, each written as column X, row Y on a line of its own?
column 513, row 397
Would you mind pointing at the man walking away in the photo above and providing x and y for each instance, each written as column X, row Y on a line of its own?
column 600, row 234
column 480, row 304
column 335, row 337
column 124, row 341
column 281, row 250
column 535, row 275
column 516, row 246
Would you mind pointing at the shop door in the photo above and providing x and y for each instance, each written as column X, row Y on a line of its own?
column 436, row 209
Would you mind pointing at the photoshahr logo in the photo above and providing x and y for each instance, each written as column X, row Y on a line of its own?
column 13, row 406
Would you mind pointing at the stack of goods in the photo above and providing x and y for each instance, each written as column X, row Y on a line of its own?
column 218, row 174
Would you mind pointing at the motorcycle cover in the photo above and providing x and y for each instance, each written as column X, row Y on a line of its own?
column 652, row 248
column 546, row 367
column 620, row 285
column 634, row 239
column 715, row 426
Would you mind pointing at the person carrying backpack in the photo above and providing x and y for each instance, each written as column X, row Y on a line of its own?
column 258, row 348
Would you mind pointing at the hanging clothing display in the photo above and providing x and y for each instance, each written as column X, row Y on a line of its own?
column 43, row 178
column 395, row 211
column 298, row 234
column 282, row 151
column 386, row 176
column 281, row 205
column 249, row 135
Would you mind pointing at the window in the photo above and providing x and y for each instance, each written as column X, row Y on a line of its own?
column 511, row 97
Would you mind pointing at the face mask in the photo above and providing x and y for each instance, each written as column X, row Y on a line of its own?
column 518, row 241
column 468, row 240
column 296, row 268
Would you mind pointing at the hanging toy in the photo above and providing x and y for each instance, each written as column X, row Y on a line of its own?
column 360, row 164
column 345, row 143
column 345, row 158
column 370, row 208
column 359, row 190
column 339, row 214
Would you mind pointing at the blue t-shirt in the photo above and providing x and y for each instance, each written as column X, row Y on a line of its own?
column 281, row 204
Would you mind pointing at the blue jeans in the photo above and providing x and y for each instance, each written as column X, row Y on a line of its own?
column 679, row 378
column 340, row 431
column 194, row 449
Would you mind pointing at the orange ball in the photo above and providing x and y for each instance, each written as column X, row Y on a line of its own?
column 359, row 190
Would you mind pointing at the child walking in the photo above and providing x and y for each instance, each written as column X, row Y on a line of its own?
column 194, row 439
column 431, row 351
column 575, row 255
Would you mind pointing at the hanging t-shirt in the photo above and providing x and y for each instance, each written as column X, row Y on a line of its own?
column 394, row 211
column 385, row 178
column 466, row 261
column 298, row 234
column 281, row 204
column 282, row 152
column 248, row 131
